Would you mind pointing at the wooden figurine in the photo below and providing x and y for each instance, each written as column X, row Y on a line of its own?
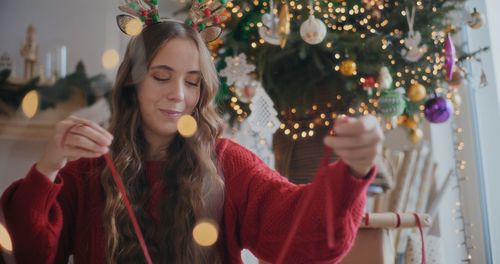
column 29, row 51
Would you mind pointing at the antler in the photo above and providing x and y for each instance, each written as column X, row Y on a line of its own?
column 147, row 10
column 132, row 7
column 206, row 13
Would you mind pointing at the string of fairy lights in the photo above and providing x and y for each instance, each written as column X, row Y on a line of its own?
column 336, row 17
column 458, row 171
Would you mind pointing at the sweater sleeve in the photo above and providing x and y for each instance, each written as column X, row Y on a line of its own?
column 40, row 215
column 266, row 203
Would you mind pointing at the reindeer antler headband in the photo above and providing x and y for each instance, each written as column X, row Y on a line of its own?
column 204, row 16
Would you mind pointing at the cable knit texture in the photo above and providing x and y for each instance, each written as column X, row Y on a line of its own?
column 49, row 221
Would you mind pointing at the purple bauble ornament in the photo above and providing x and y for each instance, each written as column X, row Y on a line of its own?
column 438, row 110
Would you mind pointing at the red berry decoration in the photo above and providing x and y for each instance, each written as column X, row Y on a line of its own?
column 216, row 19
column 207, row 12
column 369, row 82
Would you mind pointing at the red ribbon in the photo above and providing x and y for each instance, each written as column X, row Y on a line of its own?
column 130, row 211
column 398, row 220
column 123, row 193
column 417, row 220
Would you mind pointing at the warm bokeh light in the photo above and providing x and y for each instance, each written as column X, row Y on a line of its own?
column 29, row 104
column 133, row 27
column 110, row 59
column 5, row 241
column 205, row 233
column 187, row 126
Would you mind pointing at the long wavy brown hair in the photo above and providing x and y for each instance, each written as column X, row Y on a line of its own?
column 194, row 187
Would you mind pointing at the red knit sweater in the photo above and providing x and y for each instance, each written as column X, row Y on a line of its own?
column 50, row 221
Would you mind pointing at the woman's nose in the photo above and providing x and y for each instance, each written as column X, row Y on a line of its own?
column 176, row 91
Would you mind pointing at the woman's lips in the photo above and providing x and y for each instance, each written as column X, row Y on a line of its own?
column 171, row 113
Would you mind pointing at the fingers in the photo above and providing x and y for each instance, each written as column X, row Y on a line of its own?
column 84, row 143
column 357, row 142
column 359, row 154
column 349, row 126
column 92, row 134
column 79, row 137
column 91, row 124
column 75, row 153
column 363, row 140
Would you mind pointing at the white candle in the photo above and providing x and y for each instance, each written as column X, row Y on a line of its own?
column 13, row 71
column 48, row 66
column 63, row 62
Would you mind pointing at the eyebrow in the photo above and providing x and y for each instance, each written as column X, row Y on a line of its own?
column 168, row 68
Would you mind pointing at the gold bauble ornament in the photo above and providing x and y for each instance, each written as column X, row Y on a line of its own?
column 348, row 67
column 416, row 135
column 284, row 24
column 401, row 119
column 416, row 92
column 410, row 123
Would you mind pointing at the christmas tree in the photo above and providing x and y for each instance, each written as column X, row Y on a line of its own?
column 317, row 59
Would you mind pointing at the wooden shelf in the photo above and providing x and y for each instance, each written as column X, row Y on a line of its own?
column 26, row 130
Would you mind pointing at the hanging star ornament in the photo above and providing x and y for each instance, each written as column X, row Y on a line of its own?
column 237, row 70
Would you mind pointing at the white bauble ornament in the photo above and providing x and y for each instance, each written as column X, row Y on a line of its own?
column 384, row 78
column 313, row 30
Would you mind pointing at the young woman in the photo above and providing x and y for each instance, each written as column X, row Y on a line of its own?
column 68, row 204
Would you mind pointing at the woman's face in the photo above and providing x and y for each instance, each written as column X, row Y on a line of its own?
column 170, row 89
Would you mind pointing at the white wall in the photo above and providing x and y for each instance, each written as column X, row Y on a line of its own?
column 86, row 28
column 486, row 123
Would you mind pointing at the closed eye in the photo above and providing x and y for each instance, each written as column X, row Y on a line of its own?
column 195, row 84
column 161, row 79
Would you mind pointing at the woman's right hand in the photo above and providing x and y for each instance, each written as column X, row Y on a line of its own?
column 74, row 138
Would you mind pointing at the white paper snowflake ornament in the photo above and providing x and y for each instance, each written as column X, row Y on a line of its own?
column 237, row 70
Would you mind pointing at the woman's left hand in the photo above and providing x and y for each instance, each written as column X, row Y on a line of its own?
column 357, row 141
